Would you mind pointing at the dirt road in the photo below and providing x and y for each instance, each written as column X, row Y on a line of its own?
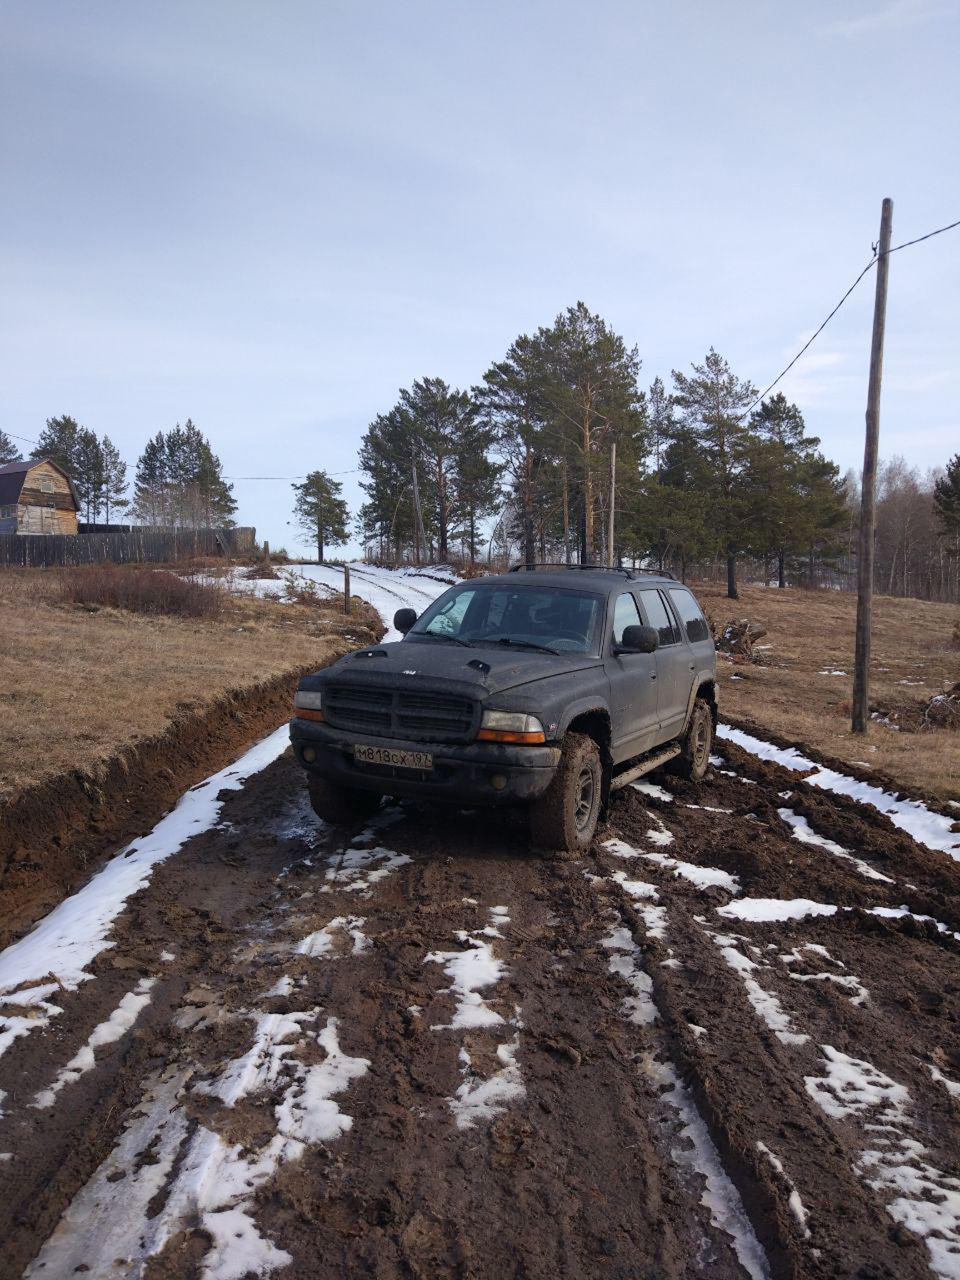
column 717, row 1046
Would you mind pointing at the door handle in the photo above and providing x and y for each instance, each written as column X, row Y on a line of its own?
column 653, row 675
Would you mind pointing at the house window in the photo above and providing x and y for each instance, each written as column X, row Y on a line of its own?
column 8, row 512
column 46, row 484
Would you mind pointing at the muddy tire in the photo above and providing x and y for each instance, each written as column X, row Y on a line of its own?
column 563, row 820
column 340, row 805
column 696, row 744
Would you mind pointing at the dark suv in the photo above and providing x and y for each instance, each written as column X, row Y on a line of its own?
column 547, row 687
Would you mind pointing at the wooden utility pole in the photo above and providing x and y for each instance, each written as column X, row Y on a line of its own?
column 861, row 668
column 613, row 500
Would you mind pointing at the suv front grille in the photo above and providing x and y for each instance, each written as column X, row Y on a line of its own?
column 396, row 713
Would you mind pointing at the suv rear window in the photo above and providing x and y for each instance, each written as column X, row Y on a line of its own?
column 690, row 615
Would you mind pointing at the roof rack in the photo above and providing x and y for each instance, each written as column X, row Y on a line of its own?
column 590, row 568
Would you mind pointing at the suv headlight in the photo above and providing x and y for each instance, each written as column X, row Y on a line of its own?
column 510, row 726
column 308, row 704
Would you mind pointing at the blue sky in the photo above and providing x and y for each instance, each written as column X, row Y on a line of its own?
column 269, row 217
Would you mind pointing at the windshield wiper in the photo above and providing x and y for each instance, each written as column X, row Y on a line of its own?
column 527, row 644
column 440, row 635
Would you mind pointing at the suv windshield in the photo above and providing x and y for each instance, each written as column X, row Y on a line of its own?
column 489, row 614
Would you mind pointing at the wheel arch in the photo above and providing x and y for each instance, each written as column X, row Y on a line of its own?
column 595, row 723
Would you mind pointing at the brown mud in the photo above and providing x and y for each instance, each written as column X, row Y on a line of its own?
column 52, row 835
column 599, row 1016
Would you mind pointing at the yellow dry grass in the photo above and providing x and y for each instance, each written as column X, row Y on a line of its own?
column 811, row 632
column 76, row 685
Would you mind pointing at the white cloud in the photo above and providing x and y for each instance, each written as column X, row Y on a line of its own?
column 897, row 14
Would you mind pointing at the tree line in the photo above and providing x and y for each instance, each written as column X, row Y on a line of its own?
column 178, row 480
column 559, row 435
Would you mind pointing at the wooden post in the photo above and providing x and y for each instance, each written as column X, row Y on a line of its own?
column 346, row 588
column 420, row 537
column 861, row 667
column 613, row 500
column 266, row 552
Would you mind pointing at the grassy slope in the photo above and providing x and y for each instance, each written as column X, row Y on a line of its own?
column 812, row 631
column 75, row 685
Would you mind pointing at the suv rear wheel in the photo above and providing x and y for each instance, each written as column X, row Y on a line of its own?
column 340, row 805
column 696, row 743
column 564, row 818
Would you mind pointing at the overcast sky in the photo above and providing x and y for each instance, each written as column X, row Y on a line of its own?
column 270, row 216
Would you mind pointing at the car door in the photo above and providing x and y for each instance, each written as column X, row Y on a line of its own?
column 697, row 631
column 633, row 687
column 675, row 664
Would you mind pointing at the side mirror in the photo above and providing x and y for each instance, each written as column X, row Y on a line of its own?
column 638, row 640
column 404, row 619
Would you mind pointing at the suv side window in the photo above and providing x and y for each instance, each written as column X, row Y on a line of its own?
column 625, row 614
column 657, row 616
column 690, row 615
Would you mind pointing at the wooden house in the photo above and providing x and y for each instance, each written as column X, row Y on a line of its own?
column 37, row 497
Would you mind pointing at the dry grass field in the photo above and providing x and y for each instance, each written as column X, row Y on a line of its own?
column 810, row 635
column 78, row 682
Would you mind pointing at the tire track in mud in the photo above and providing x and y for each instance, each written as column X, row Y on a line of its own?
column 415, row 1050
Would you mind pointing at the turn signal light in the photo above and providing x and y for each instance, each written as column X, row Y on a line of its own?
column 506, row 735
column 510, row 726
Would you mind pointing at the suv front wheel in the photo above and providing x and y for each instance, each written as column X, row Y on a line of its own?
column 564, row 818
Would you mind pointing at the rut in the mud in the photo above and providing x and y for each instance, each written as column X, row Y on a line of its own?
column 720, row 1044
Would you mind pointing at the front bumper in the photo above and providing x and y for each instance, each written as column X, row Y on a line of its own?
column 462, row 774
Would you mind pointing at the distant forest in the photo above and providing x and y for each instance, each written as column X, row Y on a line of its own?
column 706, row 479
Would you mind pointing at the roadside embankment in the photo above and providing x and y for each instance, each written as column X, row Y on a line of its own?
column 107, row 716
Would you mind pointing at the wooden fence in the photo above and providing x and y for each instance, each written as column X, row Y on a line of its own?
column 131, row 544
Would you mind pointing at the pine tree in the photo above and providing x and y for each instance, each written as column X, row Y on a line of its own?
column 712, row 402
column 476, row 480
column 510, row 403
column 8, row 450
column 438, row 417
column 946, row 497
column 590, row 393
column 386, row 459
column 320, row 510
column 151, row 483
column 114, row 480
column 60, row 442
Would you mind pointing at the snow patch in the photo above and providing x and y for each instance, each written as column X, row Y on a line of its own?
column 760, row 910
column 924, row 825
column 117, row 1025
column 66, row 941
column 321, row 942
column 481, row 1098
column 765, row 1003
column 803, row 832
column 794, row 1202
column 627, row 963
column 702, row 877
column 470, row 972
column 655, row 792
column 924, row 1199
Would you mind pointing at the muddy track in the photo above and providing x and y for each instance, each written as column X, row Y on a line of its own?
column 717, row 1045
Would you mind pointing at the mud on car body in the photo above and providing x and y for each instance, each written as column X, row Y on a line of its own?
column 548, row 688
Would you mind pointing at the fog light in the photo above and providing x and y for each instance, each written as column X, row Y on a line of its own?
column 309, row 755
column 498, row 782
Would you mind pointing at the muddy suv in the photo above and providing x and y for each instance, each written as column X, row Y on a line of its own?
column 549, row 688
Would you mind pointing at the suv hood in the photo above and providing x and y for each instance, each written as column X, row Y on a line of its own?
column 486, row 671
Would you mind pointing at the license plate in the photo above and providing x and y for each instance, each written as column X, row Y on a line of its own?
column 390, row 755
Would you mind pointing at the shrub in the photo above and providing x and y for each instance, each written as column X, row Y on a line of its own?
column 141, row 590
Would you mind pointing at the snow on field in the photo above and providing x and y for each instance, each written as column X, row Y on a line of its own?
column 386, row 589
column 923, row 824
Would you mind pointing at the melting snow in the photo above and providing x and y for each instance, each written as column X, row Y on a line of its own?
column 627, row 963
column 766, row 909
column 796, row 1205
column 321, row 942
column 702, row 877
column 470, row 972
column 66, row 941
column 480, row 1098
column 764, row 1002
column 925, row 1199
column 803, row 832
column 651, row 789
column 923, row 824
column 119, row 1022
